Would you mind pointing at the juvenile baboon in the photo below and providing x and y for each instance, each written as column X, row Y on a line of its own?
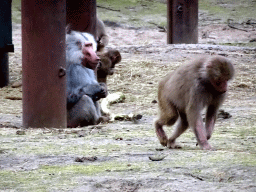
column 184, row 93
column 108, row 60
column 102, row 37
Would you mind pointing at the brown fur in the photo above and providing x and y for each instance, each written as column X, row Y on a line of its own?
column 102, row 37
column 184, row 93
column 108, row 60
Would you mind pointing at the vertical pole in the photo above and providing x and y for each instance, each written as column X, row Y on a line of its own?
column 43, row 63
column 4, row 69
column 182, row 21
column 5, row 40
column 81, row 15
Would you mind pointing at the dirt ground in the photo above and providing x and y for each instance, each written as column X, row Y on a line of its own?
column 116, row 156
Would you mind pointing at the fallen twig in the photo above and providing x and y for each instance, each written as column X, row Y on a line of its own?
column 197, row 177
column 163, row 29
column 231, row 25
column 108, row 8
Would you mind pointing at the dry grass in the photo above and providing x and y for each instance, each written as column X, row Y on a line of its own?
column 138, row 80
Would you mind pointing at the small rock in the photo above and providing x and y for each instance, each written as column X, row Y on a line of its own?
column 139, row 116
column 81, row 133
column 78, row 159
column 20, row 132
column 17, row 84
column 223, row 114
column 243, row 85
column 253, row 40
column 82, row 159
column 223, row 54
column 159, row 149
column 156, row 158
column 62, row 136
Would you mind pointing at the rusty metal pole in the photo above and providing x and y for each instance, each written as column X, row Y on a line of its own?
column 182, row 21
column 5, row 40
column 43, row 63
column 81, row 15
column 4, row 68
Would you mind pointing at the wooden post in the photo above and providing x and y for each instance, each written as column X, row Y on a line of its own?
column 43, row 63
column 182, row 21
column 5, row 40
column 81, row 15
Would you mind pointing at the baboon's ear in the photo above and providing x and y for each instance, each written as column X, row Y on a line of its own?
column 68, row 29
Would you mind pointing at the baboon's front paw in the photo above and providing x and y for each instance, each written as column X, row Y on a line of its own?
column 172, row 145
column 163, row 141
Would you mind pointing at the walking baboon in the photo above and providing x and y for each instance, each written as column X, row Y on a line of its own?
column 184, row 93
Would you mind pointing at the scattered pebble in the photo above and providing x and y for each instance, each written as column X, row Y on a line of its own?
column 17, row 84
column 20, row 132
column 159, row 149
column 82, row 159
column 82, row 133
column 156, row 158
column 223, row 114
column 243, row 85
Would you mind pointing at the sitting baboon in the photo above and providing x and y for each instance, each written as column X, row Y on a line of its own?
column 83, row 90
